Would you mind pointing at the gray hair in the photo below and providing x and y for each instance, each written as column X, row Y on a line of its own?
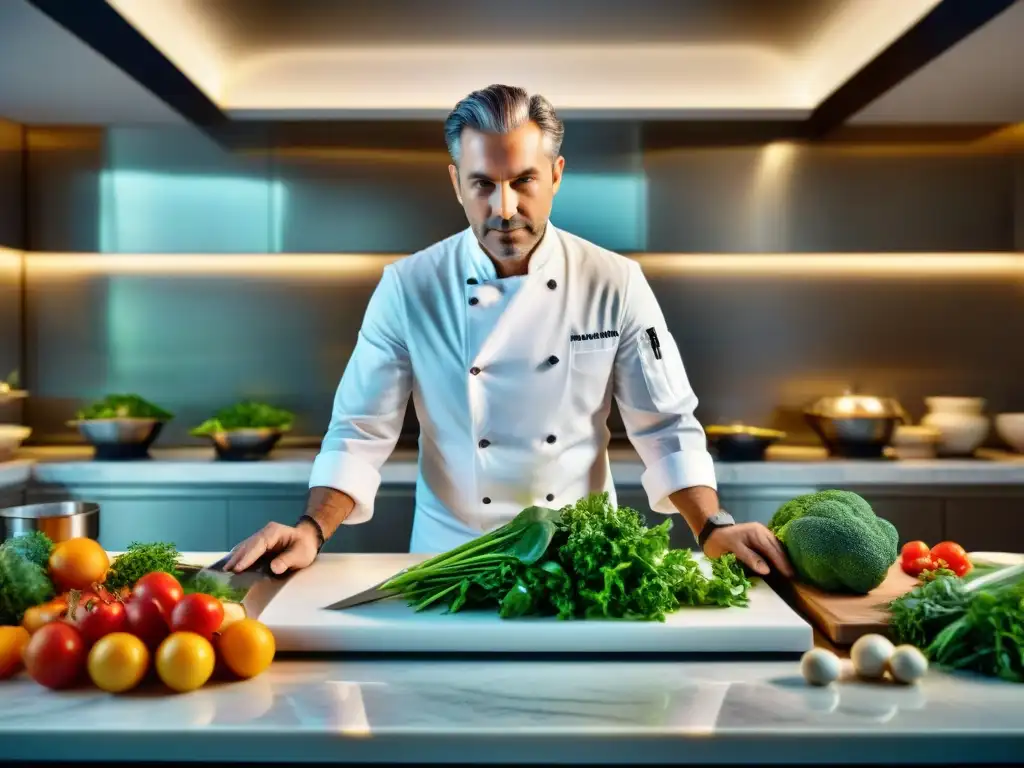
column 501, row 109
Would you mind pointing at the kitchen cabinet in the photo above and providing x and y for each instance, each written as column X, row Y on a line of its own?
column 387, row 531
column 993, row 524
column 11, row 497
column 197, row 525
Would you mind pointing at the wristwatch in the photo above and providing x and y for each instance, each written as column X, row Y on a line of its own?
column 316, row 527
column 718, row 520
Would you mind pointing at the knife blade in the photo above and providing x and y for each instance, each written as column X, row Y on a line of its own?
column 369, row 595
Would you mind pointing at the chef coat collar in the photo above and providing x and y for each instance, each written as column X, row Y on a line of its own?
column 485, row 269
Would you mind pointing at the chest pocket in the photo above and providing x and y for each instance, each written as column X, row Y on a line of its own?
column 591, row 363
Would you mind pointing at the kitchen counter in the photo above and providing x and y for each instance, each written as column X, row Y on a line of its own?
column 15, row 473
column 522, row 711
column 787, row 466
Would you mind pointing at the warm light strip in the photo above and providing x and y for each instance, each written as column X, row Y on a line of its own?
column 10, row 259
column 875, row 265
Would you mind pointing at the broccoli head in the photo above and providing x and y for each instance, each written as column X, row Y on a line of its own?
column 835, row 541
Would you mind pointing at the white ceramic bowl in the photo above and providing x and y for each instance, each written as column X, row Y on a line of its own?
column 11, row 438
column 1010, row 427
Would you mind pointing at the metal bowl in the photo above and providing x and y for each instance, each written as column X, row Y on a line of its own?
column 855, row 426
column 59, row 520
column 249, row 444
column 738, row 442
column 119, row 439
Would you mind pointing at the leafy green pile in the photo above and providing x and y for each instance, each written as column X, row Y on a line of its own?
column 23, row 584
column 246, row 415
column 138, row 560
column 34, row 546
column 123, row 407
column 964, row 625
column 591, row 560
column 142, row 558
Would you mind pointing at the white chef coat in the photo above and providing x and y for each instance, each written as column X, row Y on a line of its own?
column 512, row 380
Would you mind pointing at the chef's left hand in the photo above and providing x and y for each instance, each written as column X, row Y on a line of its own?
column 751, row 543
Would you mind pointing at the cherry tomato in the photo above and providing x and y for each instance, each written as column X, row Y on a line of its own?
column 247, row 647
column 184, row 661
column 916, row 567
column 953, row 555
column 12, row 644
column 912, row 550
column 199, row 613
column 161, row 587
column 145, row 619
column 118, row 662
column 97, row 618
column 55, row 656
column 78, row 563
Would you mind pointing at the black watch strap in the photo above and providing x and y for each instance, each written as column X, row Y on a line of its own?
column 713, row 523
column 316, row 527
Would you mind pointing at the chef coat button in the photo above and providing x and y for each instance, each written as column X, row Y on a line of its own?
column 552, row 284
column 550, row 497
column 551, row 438
column 471, row 281
column 553, row 360
column 484, row 443
column 474, row 370
column 487, row 499
column 474, row 301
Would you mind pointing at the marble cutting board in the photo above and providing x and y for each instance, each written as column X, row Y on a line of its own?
column 296, row 614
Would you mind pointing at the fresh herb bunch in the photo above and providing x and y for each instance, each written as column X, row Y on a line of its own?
column 34, row 546
column 23, row 584
column 590, row 560
column 140, row 559
column 963, row 628
column 123, row 407
column 246, row 415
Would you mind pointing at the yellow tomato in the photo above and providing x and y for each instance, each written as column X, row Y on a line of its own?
column 184, row 661
column 12, row 642
column 247, row 647
column 39, row 615
column 232, row 612
column 78, row 563
column 118, row 662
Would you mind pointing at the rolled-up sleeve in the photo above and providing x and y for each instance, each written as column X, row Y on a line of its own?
column 370, row 403
column 656, row 400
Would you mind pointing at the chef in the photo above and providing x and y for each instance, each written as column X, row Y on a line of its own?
column 512, row 337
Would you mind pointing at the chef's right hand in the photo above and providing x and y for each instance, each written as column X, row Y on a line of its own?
column 297, row 548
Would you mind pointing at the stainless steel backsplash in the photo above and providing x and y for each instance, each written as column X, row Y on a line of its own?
column 756, row 348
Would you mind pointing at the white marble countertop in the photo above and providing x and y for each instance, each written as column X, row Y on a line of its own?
column 787, row 466
column 521, row 711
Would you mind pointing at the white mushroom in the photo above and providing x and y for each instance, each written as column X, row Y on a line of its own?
column 870, row 655
column 907, row 664
column 820, row 666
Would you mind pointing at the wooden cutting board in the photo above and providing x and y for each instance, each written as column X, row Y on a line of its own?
column 844, row 618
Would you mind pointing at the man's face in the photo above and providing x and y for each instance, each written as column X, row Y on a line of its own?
column 506, row 184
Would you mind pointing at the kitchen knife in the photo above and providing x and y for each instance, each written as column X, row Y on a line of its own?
column 371, row 595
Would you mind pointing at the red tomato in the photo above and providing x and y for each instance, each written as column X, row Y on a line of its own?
column 161, row 587
column 55, row 656
column 912, row 550
column 916, row 567
column 97, row 618
column 198, row 613
column 145, row 619
column 953, row 555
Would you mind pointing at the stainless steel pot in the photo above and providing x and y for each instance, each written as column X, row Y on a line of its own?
column 855, row 426
column 59, row 520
